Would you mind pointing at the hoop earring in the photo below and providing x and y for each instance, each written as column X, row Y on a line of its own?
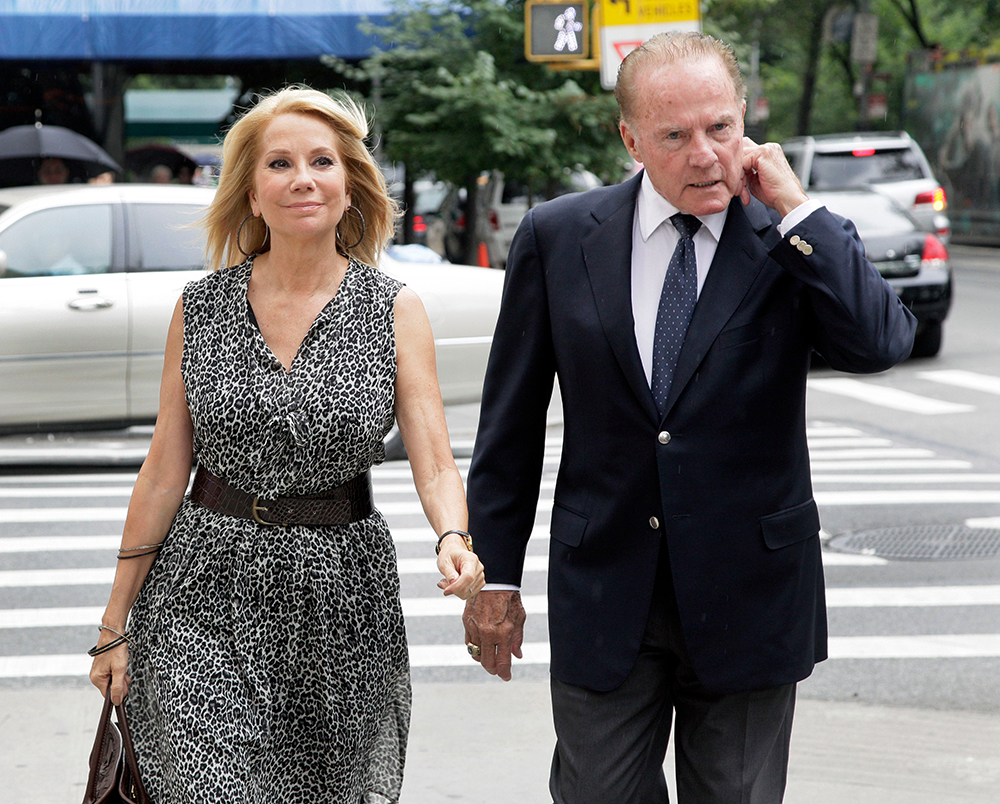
column 239, row 231
column 364, row 229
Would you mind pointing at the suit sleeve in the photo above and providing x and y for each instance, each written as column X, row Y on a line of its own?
column 507, row 462
column 861, row 326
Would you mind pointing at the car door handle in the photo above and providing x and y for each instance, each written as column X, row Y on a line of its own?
column 90, row 303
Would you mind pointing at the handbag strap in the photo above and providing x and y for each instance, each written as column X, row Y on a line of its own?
column 100, row 741
column 129, row 751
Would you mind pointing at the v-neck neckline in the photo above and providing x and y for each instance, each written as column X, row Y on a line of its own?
column 251, row 318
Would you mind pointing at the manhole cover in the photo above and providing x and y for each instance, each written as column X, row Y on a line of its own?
column 922, row 542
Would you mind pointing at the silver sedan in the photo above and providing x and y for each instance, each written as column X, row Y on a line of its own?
column 89, row 276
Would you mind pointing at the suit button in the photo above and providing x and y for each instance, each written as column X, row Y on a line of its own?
column 664, row 437
column 794, row 240
column 654, row 523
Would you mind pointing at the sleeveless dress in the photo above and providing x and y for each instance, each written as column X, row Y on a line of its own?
column 270, row 663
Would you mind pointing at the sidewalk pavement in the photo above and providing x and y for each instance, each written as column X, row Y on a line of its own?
column 491, row 743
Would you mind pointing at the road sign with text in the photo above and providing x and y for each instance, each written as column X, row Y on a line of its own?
column 626, row 24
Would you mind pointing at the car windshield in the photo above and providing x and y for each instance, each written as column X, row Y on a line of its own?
column 863, row 166
column 874, row 215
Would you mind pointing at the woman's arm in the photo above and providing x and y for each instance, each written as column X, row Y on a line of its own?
column 156, row 497
column 420, row 415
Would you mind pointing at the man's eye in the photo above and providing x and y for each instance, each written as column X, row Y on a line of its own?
column 674, row 135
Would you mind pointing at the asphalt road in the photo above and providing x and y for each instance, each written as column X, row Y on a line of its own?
column 913, row 448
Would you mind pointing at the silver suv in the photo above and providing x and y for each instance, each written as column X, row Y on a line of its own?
column 888, row 162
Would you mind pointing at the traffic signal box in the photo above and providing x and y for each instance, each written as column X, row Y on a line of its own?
column 557, row 31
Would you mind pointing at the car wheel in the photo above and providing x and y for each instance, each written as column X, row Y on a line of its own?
column 927, row 343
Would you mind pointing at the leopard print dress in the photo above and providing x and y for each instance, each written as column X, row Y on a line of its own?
column 270, row 663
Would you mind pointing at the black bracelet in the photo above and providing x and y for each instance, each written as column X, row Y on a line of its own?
column 97, row 650
column 462, row 533
column 139, row 555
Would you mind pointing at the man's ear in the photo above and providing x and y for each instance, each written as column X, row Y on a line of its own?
column 629, row 139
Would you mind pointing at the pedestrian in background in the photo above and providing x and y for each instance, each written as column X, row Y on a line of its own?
column 685, row 577
column 255, row 624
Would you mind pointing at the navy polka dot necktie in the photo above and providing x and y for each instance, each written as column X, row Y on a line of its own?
column 677, row 300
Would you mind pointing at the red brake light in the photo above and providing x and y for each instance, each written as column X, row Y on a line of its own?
column 418, row 224
column 935, row 197
column 494, row 220
column 863, row 152
column 934, row 249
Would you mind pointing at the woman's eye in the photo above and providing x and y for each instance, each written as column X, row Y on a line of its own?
column 278, row 163
column 324, row 161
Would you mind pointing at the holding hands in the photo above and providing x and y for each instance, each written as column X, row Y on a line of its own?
column 462, row 570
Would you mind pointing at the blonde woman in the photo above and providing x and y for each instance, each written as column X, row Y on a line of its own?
column 255, row 623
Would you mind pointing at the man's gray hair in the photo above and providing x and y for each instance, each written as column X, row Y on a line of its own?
column 669, row 48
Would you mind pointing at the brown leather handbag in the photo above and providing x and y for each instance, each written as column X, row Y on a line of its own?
column 114, row 774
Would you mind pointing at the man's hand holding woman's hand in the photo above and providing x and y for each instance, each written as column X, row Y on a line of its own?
column 494, row 623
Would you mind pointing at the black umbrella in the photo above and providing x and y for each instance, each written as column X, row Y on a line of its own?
column 42, row 142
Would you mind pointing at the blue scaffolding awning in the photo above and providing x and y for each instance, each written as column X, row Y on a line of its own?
column 190, row 30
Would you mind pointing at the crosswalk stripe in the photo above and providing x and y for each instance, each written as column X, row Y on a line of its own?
column 963, row 379
column 930, row 646
column 25, row 515
column 440, row 606
column 69, row 491
column 834, row 559
column 907, row 497
column 938, row 646
column 914, row 478
column 893, row 398
column 24, row 480
column 105, row 575
column 871, row 597
column 875, row 453
column 817, row 445
column 45, row 544
column 855, row 466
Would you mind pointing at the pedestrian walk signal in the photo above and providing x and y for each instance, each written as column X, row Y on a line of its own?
column 556, row 31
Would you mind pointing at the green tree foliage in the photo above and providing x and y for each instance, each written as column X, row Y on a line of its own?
column 455, row 97
column 808, row 76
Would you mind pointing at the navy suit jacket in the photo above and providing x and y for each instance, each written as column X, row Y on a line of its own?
column 729, row 495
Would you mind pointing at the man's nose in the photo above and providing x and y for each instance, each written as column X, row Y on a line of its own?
column 701, row 151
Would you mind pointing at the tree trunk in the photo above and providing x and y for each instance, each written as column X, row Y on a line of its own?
column 470, row 237
column 409, row 201
column 812, row 69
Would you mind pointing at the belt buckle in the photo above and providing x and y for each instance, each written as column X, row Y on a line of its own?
column 256, row 507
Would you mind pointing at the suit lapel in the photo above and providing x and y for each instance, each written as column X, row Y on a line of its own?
column 607, row 254
column 738, row 259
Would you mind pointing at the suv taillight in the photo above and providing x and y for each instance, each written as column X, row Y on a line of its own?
column 494, row 220
column 419, row 225
column 935, row 197
column 933, row 249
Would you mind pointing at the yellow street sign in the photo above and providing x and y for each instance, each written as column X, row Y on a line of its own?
column 641, row 12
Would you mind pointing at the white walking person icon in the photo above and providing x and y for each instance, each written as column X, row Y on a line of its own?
column 567, row 26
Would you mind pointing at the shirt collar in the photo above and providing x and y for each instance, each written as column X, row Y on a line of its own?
column 654, row 209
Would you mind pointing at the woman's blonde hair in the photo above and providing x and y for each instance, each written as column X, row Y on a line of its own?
column 241, row 152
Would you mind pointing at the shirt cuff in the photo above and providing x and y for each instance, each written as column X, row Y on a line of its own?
column 500, row 587
column 797, row 215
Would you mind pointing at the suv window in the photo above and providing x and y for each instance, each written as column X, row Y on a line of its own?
column 168, row 237
column 62, row 241
column 867, row 166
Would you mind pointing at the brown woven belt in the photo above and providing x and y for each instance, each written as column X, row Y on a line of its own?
column 346, row 503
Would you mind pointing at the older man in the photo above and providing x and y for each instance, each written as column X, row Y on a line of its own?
column 679, row 311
